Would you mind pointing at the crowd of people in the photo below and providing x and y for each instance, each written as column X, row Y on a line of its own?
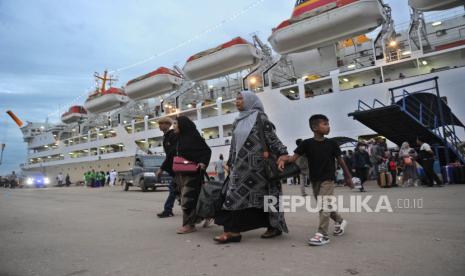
column 372, row 160
column 95, row 179
column 246, row 181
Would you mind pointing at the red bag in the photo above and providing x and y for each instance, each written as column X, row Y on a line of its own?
column 182, row 165
column 408, row 161
column 392, row 166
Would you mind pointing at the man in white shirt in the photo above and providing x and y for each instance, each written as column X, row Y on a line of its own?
column 219, row 168
column 113, row 175
column 426, row 160
column 60, row 179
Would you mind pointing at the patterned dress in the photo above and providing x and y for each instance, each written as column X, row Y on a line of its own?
column 248, row 184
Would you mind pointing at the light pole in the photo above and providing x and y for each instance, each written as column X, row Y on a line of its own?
column 1, row 153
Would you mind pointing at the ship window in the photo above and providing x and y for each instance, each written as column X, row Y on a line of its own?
column 142, row 144
column 364, row 78
column 228, row 107
column 211, row 133
column 152, row 124
column 139, row 126
column 208, row 112
column 317, row 88
column 155, row 142
column 292, row 93
column 227, row 130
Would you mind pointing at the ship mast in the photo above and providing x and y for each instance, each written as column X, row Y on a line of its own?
column 104, row 80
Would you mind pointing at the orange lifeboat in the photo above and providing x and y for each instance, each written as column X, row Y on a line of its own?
column 316, row 23
column 227, row 58
column 75, row 113
column 107, row 100
column 153, row 84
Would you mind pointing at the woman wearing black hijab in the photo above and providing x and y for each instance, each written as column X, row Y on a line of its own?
column 192, row 147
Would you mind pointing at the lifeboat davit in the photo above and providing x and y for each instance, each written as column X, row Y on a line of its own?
column 155, row 83
column 230, row 57
column 316, row 23
column 75, row 113
column 435, row 5
column 107, row 100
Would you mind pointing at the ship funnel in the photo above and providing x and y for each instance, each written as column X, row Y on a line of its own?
column 16, row 119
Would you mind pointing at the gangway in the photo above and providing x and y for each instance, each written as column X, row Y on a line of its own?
column 422, row 113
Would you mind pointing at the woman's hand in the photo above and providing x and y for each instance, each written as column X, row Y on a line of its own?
column 202, row 166
column 226, row 168
column 282, row 161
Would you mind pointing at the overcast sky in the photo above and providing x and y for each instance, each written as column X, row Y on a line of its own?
column 49, row 49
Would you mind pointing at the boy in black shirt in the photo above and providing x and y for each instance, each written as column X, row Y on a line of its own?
column 321, row 154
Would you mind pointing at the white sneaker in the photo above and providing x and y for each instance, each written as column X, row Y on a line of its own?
column 318, row 239
column 339, row 228
column 207, row 222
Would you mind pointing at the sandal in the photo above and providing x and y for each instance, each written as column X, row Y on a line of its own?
column 227, row 238
column 271, row 233
column 186, row 229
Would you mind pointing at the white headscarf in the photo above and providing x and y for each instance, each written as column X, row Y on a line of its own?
column 247, row 118
column 404, row 149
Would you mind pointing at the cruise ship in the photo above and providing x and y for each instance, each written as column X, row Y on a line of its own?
column 320, row 60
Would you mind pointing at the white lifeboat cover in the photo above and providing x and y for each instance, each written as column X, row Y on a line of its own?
column 435, row 5
column 74, row 114
column 333, row 25
column 153, row 84
column 230, row 57
column 102, row 102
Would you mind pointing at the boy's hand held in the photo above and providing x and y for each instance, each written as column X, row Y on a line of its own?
column 349, row 183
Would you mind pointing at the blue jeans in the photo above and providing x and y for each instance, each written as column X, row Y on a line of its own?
column 169, row 203
column 221, row 177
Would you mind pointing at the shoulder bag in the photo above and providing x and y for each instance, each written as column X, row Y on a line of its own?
column 271, row 168
column 182, row 165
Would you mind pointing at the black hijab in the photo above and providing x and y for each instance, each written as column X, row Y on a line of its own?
column 191, row 145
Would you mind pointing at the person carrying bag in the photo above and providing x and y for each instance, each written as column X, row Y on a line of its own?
column 189, row 165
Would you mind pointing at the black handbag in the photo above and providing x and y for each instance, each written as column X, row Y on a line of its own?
column 211, row 197
column 271, row 168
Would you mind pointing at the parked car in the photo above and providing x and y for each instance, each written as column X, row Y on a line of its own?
column 36, row 179
column 143, row 173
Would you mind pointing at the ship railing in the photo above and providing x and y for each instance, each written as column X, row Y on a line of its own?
column 433, row 17
column 446, row 36
column 362, row 106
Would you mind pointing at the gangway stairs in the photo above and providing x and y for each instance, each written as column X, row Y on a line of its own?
column 422, row 113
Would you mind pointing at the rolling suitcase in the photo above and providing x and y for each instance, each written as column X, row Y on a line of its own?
column 459, row 174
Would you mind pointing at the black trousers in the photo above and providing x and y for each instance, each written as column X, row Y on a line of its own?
column 394, row 178
column 431, row 176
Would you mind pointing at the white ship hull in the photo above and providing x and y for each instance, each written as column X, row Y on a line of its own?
column 152, row 87
column 335, row 25
column 435, row 5
column 222, row 62
column 106, row 103
column 289, row 117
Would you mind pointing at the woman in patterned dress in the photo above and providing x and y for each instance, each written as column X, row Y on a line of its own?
column 243, row 208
